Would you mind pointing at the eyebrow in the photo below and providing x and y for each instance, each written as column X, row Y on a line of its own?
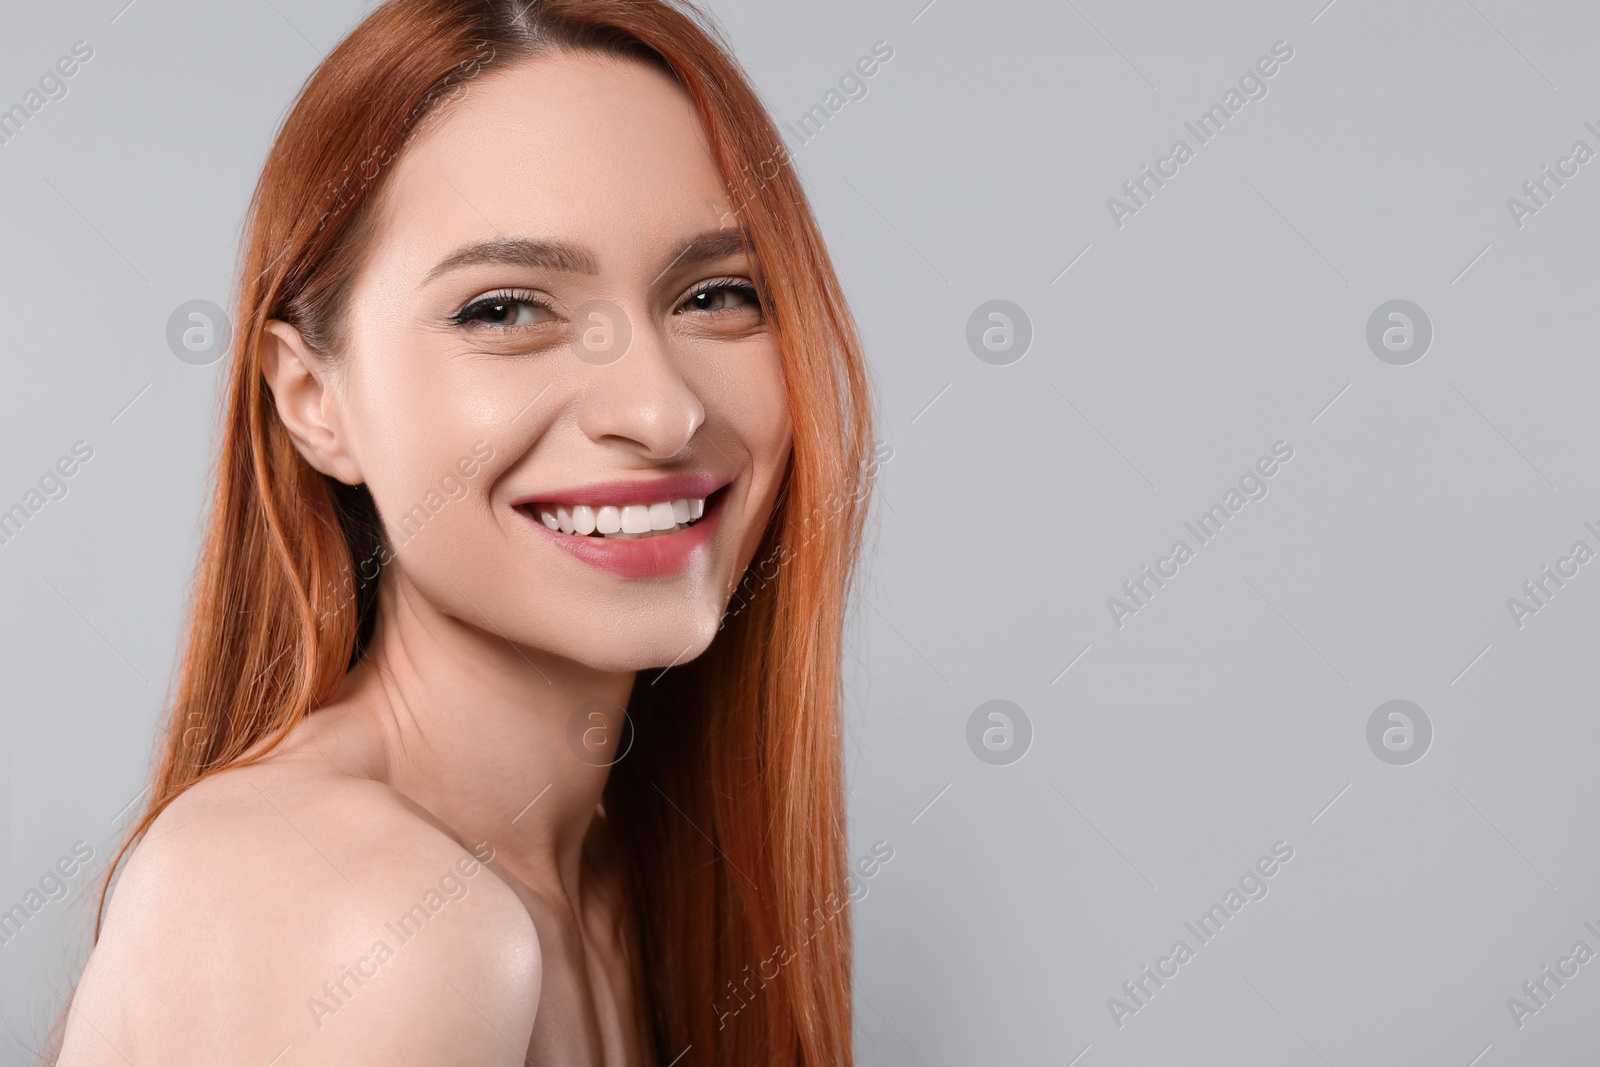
column 518, row 252
column 717, row 245
column 575, row 259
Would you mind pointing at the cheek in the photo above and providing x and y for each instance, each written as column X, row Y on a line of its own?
column 753, row 406
column 754, row 402
column 420, row 431
column 411, row 459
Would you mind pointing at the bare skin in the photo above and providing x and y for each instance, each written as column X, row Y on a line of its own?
column 241, row 924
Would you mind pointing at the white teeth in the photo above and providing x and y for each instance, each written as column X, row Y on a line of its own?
column 636, row 518
column 623, row 522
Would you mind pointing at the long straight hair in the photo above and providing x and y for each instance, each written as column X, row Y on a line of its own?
column 729, row 808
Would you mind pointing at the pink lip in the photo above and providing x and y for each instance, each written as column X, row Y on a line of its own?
column 649, row 557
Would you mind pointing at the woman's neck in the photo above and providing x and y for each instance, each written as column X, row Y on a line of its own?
column 481, row 733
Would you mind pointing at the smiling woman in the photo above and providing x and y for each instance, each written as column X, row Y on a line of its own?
column 552, row 169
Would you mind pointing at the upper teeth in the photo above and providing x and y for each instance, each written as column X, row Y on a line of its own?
column 630, row 520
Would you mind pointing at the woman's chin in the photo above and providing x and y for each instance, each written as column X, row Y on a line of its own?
column 655, row 647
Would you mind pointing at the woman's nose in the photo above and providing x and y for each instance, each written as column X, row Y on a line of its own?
column 636, row 392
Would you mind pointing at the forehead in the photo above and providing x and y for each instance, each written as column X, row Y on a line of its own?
column 598, row 150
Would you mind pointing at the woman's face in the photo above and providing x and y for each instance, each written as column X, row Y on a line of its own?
column 556, row 325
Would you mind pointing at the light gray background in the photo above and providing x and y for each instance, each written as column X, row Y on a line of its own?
column 1228, row 314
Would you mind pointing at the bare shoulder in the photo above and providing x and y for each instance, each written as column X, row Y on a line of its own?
column 277, row 906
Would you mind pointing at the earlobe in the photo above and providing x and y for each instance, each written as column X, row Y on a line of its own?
column 306, row 403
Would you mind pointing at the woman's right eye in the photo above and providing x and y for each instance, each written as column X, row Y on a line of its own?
column 504, row 311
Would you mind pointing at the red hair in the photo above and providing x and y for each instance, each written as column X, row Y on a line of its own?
column 730, row 805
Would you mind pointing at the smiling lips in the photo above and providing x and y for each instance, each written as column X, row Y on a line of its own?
column 631, row 529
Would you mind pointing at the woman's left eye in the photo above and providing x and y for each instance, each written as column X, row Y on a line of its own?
column 722, row 296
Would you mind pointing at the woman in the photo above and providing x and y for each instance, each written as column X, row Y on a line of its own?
column 545, row 405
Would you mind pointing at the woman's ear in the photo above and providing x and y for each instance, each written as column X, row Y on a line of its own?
column 307, row 404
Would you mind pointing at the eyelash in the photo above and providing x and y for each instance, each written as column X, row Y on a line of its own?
column 465, row 318
column 744, row 289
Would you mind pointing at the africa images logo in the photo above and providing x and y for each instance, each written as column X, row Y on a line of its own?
column 1252, row 885
column 1252, row 485
column 1252, row 85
